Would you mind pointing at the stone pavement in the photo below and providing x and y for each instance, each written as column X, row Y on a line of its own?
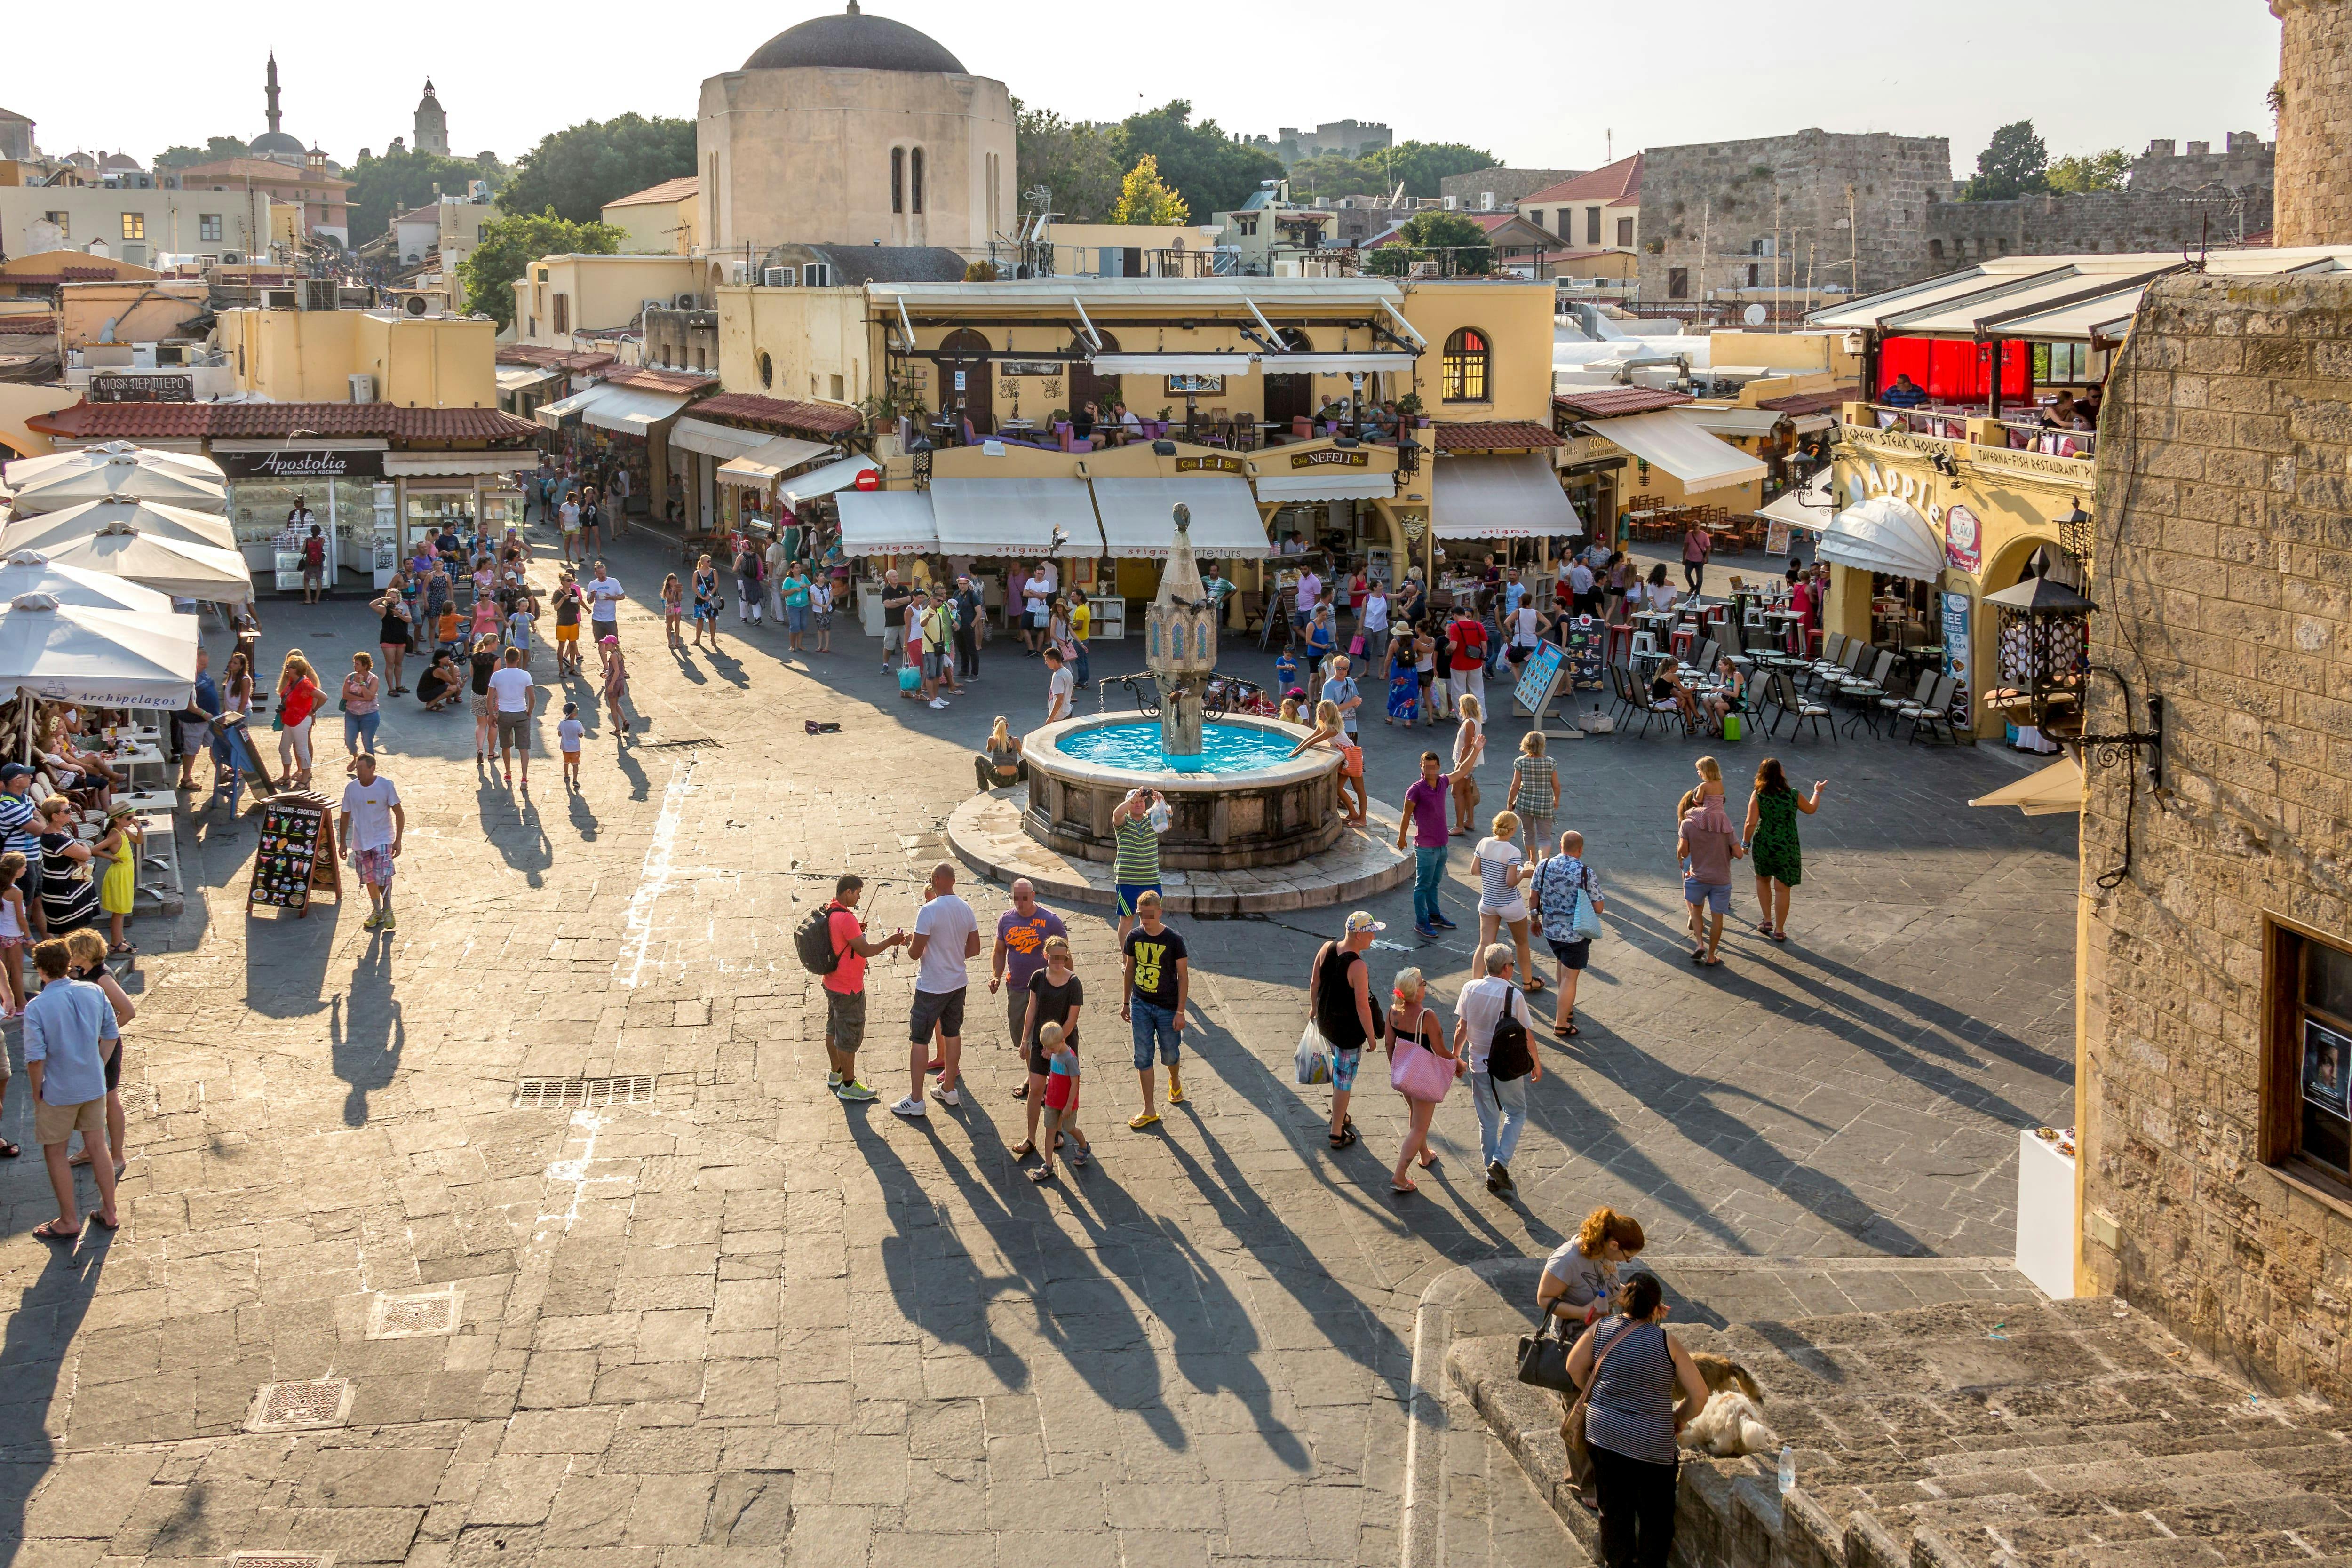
column 719, row 1314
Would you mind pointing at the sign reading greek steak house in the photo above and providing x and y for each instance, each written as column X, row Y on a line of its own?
column 298, row 463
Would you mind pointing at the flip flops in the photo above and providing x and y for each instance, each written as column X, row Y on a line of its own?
column 51, row 1230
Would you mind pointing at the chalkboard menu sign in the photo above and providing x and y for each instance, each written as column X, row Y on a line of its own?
column 296, row 865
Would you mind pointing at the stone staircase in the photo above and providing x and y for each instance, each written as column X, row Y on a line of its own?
column 2070, row 1434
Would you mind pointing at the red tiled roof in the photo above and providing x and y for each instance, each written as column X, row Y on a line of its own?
column 675, row 190
column 552, row 359
column 1495, row 436
column 1618, row 185
column 109, row 421
column 27, row 326
column 659, row 380
column 823, row 419
column 1609, row 402
column 1803, row 403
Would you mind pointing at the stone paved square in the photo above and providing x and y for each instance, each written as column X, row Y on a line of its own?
column 734, row 1318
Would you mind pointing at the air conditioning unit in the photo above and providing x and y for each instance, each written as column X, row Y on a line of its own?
column 137, row 252
column 232, row 257
column 686, row 302
column 1486, row 201
column 208, row 260
column 647, row 307
column 1451, row 202
column 416, row 305
column 278, row 299
column 816, row 274
column 776, row 277
column 318, row 293
column 362, row 387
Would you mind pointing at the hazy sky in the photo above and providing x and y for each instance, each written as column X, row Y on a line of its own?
column 1542, row 86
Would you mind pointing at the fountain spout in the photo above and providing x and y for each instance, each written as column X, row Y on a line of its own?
column 1181, row 651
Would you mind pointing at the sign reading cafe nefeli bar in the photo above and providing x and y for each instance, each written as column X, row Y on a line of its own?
column 1331, row 457
column 296, row 464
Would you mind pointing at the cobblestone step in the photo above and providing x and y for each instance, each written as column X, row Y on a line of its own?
column 1965, row 1436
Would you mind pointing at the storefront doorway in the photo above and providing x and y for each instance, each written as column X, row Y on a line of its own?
column 1289, row 397
column 276, row 493
column 965, row 379
column 1085, row 387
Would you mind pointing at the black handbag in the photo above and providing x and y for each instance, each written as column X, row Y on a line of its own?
column 1543, row 1358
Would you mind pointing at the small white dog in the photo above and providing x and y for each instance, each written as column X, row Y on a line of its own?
column 1730, row 1426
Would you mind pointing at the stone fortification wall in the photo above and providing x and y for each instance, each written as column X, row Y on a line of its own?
column 2163, row 220
column 2315, row 144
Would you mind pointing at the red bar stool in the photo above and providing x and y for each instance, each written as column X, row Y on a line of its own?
column 1620, row 642
column 1684, row 640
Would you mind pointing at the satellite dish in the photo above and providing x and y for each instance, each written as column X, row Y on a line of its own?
column 1755, row 315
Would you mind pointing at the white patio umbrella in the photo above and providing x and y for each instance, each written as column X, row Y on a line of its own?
column 117, row 469
column 30, row 572
column 152, row 518
column 171, row 566
column 104, row 659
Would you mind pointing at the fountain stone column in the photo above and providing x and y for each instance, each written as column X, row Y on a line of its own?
column 1181, row 651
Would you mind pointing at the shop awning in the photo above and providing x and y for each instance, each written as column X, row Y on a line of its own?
column 1808, row 506
column 762, row 465
column 1015, row 517
column 1509, row 495
column 1668, row 440
column 632, row 411
column 1327, row 484
column 423, row 463
column 824, row 481
column 2053, row 789
column 1334, row 363
column 1138, row 518
column 1734, row 421
column 723, row 441
column 514, row 378
column 1172, row 365
column 1883, row 534
column 888, row 522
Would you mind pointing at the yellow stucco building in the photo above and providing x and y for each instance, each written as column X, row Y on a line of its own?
column 560, row 295
column 309, row 356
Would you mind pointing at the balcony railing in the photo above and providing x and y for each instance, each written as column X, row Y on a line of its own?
column 1950, row 422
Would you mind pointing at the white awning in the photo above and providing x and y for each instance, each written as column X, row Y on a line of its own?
column 1734, row 421
column 1327, row 484
column 1305, row 363
column 1138, row 518
column 554, row 414
column 1509, row 495
column 824, row 481
column 765, row 462
column 625, row 409
column 1668, row 439
column 516, row 377
column 1808, row 506
column 2054, row 789
column 1172, row 365
column 888, row 522
column 417, row 463
column 1883, row 534
column 719, row 440
column 1014, row 517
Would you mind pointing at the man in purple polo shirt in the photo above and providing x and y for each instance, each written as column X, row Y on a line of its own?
column 1425, row 806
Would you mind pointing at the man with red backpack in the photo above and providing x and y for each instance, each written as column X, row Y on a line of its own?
column 1466, row 672
column 314, row 562
column 832, row 943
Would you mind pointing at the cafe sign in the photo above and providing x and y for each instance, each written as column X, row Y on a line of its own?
column 1331, row 457
column 295, row 465
column 110, row 386
column 1209, row 465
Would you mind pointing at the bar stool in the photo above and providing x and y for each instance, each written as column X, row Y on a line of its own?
column 1684, row 640
column 1620, row 641
column 1645, row 644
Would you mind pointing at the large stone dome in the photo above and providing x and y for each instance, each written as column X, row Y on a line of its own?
column 855, row 41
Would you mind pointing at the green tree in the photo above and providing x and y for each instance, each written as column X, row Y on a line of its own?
column 1419, row 165
column 1144, row 196
column 2077, row 174
column 1332, row 175
column 511, row 244
column 577, row 170
column 1077, row 162
column 213, row 150
column 395, row 182
column 1458, row 246
column 1209, row 170
column 2015, row 163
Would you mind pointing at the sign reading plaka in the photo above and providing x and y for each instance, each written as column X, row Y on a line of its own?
column 1331, row 457
column 1210, row 464
column 294, row 465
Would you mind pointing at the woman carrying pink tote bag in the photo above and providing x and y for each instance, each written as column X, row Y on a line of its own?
column 1420, row 1067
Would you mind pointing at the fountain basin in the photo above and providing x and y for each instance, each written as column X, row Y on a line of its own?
column 1240, row 810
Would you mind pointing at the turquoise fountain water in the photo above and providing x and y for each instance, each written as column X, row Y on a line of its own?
column 1224, row 749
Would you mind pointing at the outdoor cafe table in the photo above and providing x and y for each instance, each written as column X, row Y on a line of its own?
column 132, row 758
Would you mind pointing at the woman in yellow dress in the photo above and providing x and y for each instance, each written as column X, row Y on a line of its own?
column 119, row 852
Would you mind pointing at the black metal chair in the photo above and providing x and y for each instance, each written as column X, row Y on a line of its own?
column 1798, row 708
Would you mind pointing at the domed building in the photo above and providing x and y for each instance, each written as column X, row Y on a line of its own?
column 275, row 143
column 854, row 130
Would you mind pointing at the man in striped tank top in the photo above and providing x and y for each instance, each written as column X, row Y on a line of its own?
column 1135, row 868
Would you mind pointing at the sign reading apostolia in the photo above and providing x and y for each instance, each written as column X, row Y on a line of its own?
column 294, row 465
column 1331, row 457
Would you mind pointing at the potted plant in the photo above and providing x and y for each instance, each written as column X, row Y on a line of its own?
column 1160, row 426
column 1410, row 406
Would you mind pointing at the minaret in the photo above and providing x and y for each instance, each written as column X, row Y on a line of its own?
column 1181, row 651
column 273, row 92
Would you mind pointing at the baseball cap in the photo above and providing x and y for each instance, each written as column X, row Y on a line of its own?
column 1363, row 920
column 13, row 772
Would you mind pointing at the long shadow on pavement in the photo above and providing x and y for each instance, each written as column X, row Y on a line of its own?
column 32, row 1370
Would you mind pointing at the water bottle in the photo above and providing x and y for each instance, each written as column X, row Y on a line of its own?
column 1788, row 1469
column 1160, row 816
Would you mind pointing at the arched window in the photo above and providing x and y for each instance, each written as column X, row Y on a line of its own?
column 1465, row 366
column 915, row 181
column 898, row 179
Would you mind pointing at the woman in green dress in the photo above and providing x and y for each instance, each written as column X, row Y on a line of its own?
column 1771, row 835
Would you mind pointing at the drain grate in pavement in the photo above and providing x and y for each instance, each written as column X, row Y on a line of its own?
column 291, row 1406
column 281, row 1560
column 583, row 1093
column 415, row 1316
column 142, row 1099
column 705, row 744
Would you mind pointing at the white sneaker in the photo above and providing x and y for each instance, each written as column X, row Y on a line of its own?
column 936, row 702
column 951, row 1096
column 910, row 1106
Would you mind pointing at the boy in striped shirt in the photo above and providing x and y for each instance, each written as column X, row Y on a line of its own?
column 1135, row 868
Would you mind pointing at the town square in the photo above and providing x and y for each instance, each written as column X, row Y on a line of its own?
column 902, row 813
